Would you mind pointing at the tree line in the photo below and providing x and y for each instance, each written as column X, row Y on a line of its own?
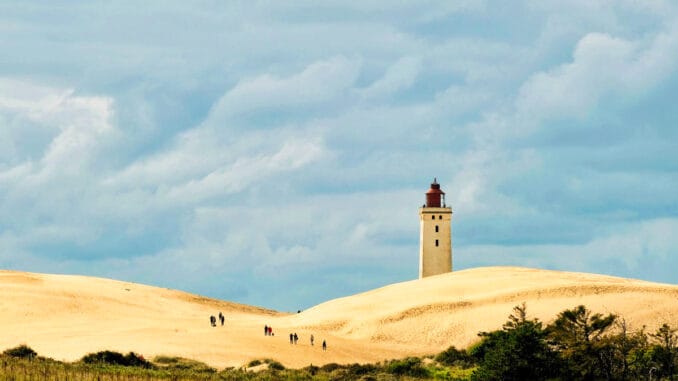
column 578, row 345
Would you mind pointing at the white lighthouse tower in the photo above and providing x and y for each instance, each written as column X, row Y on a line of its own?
column 435, row 246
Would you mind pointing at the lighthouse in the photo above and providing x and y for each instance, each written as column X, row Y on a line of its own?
column 435, row 240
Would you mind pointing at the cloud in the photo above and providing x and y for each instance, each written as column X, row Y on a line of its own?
column 318, row 82
column 34, row 101
column 239, row 150
column 642, row 250
column 293, row 239
column 75, row 124
column 400, row 75
column 602, row 66
column 44, row 187
column 74, row 127
column 244, row 171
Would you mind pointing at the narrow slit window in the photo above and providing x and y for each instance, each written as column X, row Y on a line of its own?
column 436, row 243
column 433, row 217
column 440, row 217
column 436, row 228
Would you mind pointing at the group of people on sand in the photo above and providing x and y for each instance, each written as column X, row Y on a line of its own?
column 268, row 331
column 313, row 339
column 294, row 338
column 213, row 320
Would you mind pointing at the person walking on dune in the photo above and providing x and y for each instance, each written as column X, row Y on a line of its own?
column 324, row 345
column 265, row 330
column 311, row 339
column 291, row 338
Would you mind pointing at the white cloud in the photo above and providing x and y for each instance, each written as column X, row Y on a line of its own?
column 76, row 125
column 602, row 66
column 246, row 170
column 87, row 128
column 195, row 152
column 34, row 101
column 638, row 248
column 572, row 90
column 43, row 194
column 318, row 82
column 401, row 75
column 474, row 189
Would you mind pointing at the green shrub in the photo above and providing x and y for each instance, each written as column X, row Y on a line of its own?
column 116, row 358
column 410, row 366
column 166, row 360
column 454, row 373
column 137, row 360
column 360, row 369
column 368, row 377
column 22, row 351
column 327, row 368
column 272, row 364
column 104, row 357
column 254, row 363
column 232, row 374
column 455, row 357
column 180, row 364
column 311, row 369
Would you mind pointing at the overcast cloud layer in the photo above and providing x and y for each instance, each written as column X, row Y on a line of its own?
column 277, row 154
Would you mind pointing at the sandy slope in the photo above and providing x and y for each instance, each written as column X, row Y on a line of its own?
column 67, row 316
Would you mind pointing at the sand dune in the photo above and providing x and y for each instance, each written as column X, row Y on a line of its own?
column 65, row 317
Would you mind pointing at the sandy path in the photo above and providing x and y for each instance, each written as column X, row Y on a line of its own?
column 65, row 317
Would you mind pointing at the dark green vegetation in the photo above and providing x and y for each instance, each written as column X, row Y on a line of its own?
column 578, row 345
column 115, row 358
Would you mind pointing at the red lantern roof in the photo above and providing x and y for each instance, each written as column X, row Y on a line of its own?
column 434, row 195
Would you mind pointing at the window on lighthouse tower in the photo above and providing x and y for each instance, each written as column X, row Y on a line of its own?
column 436, row 228
column 436, row 243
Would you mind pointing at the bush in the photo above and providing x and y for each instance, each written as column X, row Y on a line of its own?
column 166, row 360
column 360, row 370
column 272, row 364
column 254, row 363
column 182, row 364
column 368, row 377
column 410, row 366
column 328, row 368
column 105, row 357
column 455, row 357
column 116, row 358
column 312, row 369
column 450, row 374
column 233, row 374
column 22, row 351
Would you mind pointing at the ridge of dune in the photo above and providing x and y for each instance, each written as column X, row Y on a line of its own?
column 67, row 316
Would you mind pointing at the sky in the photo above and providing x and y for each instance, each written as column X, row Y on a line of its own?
column 276, row 153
